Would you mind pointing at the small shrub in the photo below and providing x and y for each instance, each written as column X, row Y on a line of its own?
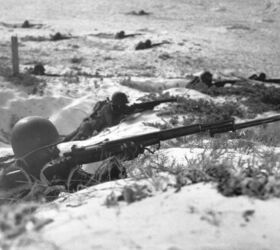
column 111, row 200
column 34, row 38
column 267, row 134
column 76, row 59
column 16, row 220
column 135, row 192
column 25, row 79
column 206, row 111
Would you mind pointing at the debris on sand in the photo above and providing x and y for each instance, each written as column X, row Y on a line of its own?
column 248, row 214
column 165, row 56
column 118, row 35
column 58, row 36
column 122, row 35
column 139, row 13
column 38, row 69
column 103, row 35
column 25, row 25
column 55, row 37
column 18, row 220
column 144, row 45
column 238, row 27
column 148, row 45
column 29, row 38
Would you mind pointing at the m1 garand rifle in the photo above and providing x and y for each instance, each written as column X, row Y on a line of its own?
column 130, row 147
column 207, row 78
column 119, row 147
column 262, row 78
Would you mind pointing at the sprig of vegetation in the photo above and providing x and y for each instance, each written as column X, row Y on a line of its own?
column 18, row 219
column 205, row 111
column 258, row 177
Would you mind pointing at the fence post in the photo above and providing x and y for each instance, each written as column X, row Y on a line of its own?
column 15, row 57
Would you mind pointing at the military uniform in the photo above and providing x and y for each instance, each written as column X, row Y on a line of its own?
column 109, row 115
column 36, row 158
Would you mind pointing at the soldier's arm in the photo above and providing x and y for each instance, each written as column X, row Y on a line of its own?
column 85, row 131
column 106, row 115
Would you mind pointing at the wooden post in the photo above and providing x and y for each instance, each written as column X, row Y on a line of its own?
column 15, row 58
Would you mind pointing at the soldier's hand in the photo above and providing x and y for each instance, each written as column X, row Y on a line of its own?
column 131, row 150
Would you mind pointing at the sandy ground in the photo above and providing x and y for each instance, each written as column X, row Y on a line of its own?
column 225, row 37
column 197, row 217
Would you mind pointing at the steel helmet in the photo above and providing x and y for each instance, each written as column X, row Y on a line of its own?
column 39, row 69
column 119, row 99
column 31, row 133
column 207, row 78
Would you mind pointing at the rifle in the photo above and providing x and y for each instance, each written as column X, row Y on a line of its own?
column 275, row 80
column 148, row 105
column 101, row 151
column 137, row 107
column 262, row 78
column 129, row 147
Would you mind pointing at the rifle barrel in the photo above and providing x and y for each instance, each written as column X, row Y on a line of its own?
column 243, row 125
column 257, row 122
column 168, row 134
column 272, row 80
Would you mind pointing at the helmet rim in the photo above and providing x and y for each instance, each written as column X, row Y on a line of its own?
column 32, row 133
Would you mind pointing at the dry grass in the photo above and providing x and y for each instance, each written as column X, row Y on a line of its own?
column 258, row 98
column 258, row 177
column 16, row 221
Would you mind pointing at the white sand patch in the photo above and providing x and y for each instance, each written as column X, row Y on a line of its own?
column 187, row 93
column 154, row 84
column 5, row 149
column 16, row 105
column 194, row 95
column 69, row 117
column 166, row 221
